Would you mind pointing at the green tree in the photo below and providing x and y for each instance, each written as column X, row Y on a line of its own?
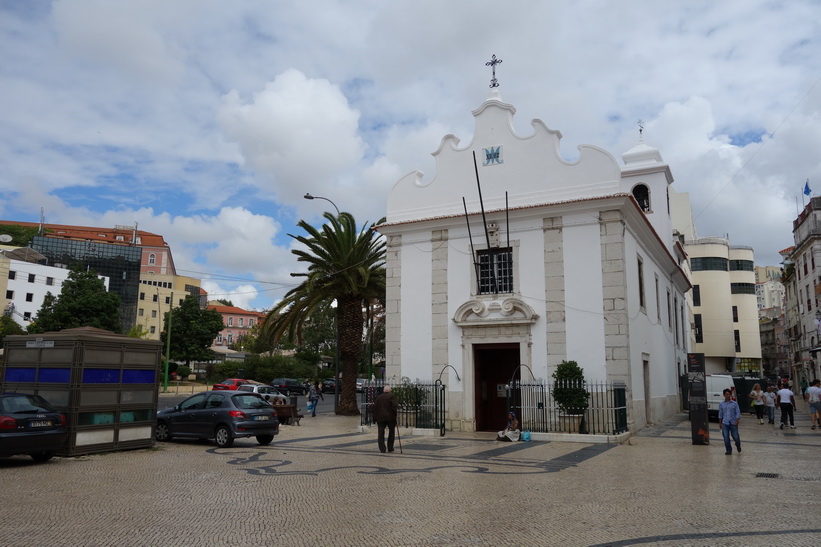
column 9, row 326
column 20, row 235
column 83, row 302
column 345, row 265
column 193, row 329
column 137, row 331
column 225, row 302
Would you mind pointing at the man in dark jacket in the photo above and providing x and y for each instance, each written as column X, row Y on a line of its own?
column 384, row 413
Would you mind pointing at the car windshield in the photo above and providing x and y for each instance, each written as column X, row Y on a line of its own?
column 24, row 404
column 250, row 401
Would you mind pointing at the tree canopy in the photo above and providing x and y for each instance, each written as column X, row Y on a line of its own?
column 9, row 326
column 193, row 330
column 83, row 302
column 346, row 265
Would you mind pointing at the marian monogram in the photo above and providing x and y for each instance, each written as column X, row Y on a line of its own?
column 493, row 156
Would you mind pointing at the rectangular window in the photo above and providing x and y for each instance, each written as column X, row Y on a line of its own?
column 742, row 288
column 250, row 322
column 10, row 295
column 699, row 334
column 167, row 299
column 737, row 336
column 675, row 307
column 27, row 317
column 155, row 298
column 735, row 314
column 240, row 322
column 140, row 312
column 142, row 296
column 495, row 270
column 49, row 281
column 658, row 300
column 29, row 297
column 31, row 278
column 696, row 295
column 152, row 330
column 230, row 321
column 219, row 338
column 154, row 313
column 669, row 312
column 12, row 274
column 641, row 283
column 710, row 263
column 230, row 338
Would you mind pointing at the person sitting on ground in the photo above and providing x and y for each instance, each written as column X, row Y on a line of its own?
column 511, row 432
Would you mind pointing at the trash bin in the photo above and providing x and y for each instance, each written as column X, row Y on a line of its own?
column 293, row 400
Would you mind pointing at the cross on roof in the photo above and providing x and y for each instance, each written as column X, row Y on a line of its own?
column 492, row 63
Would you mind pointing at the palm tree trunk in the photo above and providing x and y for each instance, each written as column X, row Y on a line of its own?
column 349, row 321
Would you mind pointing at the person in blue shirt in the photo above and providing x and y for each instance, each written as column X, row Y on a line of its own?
column 728, row 415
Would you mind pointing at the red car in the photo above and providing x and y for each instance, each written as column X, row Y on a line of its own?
column 229, row 383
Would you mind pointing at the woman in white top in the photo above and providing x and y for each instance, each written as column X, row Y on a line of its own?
column 758, row 402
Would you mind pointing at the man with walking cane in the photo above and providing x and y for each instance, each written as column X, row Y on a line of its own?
column 384, row 413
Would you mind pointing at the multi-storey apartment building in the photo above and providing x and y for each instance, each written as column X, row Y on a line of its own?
column 124, row 255
column 802, row 280
column 238, row 323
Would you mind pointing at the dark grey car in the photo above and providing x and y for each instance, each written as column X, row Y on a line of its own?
column 30, row 425
column 219, row 415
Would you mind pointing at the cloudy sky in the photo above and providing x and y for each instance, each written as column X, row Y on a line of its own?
column 208, row 121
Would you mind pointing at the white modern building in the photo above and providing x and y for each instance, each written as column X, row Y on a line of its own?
column 561, row 260
column 27, row 284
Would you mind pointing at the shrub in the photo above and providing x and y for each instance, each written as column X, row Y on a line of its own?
column 569, row 388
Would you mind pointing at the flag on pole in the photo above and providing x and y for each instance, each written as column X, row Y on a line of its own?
column 807, row 190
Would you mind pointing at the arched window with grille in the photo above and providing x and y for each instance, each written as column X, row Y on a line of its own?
column 642, row 195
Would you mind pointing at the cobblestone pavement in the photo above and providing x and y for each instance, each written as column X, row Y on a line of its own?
column 324, row 483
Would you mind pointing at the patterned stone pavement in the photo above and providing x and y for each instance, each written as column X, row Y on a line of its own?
column 325, row 483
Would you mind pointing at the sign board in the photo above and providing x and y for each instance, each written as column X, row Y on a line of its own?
column 39, row 343
column 698, row 399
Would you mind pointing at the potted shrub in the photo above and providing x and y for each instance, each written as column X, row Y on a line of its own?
column 570, row 394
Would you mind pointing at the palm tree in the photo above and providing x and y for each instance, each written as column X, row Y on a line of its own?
column 343, row 265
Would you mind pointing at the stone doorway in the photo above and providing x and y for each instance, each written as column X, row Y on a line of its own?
column 493, row 365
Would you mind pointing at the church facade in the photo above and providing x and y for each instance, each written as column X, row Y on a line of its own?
column 512, row 259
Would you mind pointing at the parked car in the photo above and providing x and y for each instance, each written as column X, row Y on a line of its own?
column 289, row 386
column 269, row 393
column 329, row 386
column 222, row 416
column 30, row 425
column 360, row 384
column 229, row 383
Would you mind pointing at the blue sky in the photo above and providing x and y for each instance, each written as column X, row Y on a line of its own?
column 208, row 121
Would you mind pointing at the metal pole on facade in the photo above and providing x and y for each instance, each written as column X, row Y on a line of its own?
column 168, row 343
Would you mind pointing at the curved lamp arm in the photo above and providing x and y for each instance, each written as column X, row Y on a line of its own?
column 454, row 370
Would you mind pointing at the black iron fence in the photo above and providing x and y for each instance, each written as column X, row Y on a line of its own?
column 538, row 410
column 422, row 405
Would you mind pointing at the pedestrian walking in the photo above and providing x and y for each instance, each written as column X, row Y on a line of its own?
column 758, row 402
column 813, row 397
column 786, row 402
column 769, row 403
column 314, row 395
column 728, row 416
column 384, row 413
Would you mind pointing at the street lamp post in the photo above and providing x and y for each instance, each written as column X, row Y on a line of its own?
column 309, row 196
column 336, row 320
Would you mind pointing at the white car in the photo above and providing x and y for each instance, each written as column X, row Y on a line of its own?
column 360, row 383
column 269, row 393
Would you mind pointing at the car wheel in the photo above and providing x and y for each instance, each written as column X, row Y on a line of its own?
column 265, row 439
column 162, row 433
column 223, row 437
column 42, row 456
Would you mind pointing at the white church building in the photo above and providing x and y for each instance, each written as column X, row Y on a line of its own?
column 558, row 260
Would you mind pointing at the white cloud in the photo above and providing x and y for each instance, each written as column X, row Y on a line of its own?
column 295, row 132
